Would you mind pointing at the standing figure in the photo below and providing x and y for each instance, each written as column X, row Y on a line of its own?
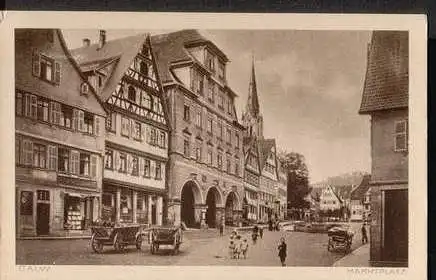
column 244, row 248
column 364, row 235
column 282, row 251
column 261, row 232
column 232, row 249
column 221, row 229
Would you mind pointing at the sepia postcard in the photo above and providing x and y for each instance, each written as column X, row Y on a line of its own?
column 187, row 145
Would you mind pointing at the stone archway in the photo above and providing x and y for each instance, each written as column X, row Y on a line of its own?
column 213, row 199
column 189, row 197
column 231, row 207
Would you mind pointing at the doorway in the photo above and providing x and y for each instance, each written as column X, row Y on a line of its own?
column 211, row 202
column 42, row 218
column 395, row 226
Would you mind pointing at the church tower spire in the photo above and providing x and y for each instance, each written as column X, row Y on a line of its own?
column 252, row 119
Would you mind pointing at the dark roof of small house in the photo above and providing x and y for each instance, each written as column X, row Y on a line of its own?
column 359, row 192
column 386, row 83
column 121, row 51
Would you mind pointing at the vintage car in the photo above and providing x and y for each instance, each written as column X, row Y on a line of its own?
column 340, row 237
column 167, row 236
column 118, row 236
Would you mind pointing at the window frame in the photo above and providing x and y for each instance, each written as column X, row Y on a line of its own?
column 401, row 133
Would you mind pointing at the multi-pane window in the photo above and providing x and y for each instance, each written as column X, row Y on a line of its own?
column 109, row 159
column 125, row 126
column 111, row 122
column 66, row 116
column 162, row 139
column 131, row 93
column 39, row 155
column 209, row 125
column 43, row 195
column 146, row 168
column 137, row 132
column 210, row 61
column 228, row 165
column 220, row 161
column 89, row 123
column 46, row 68
column 123, row 163
column 42, row 109
column 153, row 136
column 209, row 157
column 186, row 113
column 158, row 171
column 135, row 166
column 401, row 136
column 221, row 70
column 146, row 100
column 186, row 148
column 229, row 136
column 198, row 118
column 63, row 160
column 220, row 129
column 84, row 164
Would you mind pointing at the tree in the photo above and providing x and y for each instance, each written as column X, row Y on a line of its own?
column 294, row 165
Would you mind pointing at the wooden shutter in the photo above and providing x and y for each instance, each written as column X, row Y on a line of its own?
column 75, row 119
column 129, row 163
column 57, row 73
column 75, row 162
column 36, row 70
column 28, row 152
column 148, row 131
column 81, row 120
column 52, row 157
column 94, row 160
column 152, row 168
column 97, row 125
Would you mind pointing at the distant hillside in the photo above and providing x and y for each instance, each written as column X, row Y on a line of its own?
column 353, row 178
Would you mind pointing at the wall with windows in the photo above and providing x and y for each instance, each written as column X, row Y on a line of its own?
column 389, row 143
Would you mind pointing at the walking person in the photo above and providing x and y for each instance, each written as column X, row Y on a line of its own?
column 364, row 235
column 282, row 251
column 244, row 248
column 221, row 226
column 261, row 232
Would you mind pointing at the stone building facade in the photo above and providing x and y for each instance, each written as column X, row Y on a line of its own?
column 59, row 132
column 205, row 177
column 124, row 74
column 385, row 100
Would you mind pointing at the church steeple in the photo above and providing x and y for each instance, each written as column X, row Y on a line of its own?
column 252, row 119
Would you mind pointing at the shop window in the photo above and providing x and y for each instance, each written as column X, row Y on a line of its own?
column 125, row 126
column 111, row 121
column 158, row 171
column 63, row 160
column 73, row 218
column 109, row 159
column 26, row 203
column 39, row 155
column 401, row 137
column 135, row 166
column 66, row 116
column 84, row 164
column 88, row 123
column 186, row 113
column 186, row 149
column 123, row 163
column 147, row 168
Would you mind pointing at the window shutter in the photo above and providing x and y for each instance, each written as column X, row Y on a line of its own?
column 116, row 160
column 57, row 77
column 27, row 105
column 81, row 120
column 75, row 156
column 97, row 125
column 52, row 157
column 141, row 165
column 75, row 119
column 36, row 70
column 58, row 109
column 94, row 166
column 17, row 150
column 28, row 152
column 152, row 168
column 52, row 112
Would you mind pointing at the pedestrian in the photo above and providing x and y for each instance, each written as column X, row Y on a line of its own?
column 270, row 225
column 364, row 235
column 238, row 247
column 244, row 248
column 221, row 229
column 261, row 232
column 282, row 251
column 232, row 249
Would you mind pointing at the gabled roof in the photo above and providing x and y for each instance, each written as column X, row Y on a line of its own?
column 387, row 77
column 121, row 51
column 265, row 148
column 359, row 192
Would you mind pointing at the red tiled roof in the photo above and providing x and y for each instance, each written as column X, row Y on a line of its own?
column 387, row 78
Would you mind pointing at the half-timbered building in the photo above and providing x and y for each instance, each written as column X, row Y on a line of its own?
column 206, row 159
column 59, row 138
column 124, row 74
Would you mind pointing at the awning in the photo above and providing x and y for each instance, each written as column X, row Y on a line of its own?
column 78, row 195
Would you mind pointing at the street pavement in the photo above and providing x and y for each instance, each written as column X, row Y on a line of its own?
column 199, row 248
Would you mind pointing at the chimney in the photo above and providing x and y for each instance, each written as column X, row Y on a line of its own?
column 86, row 42
column 102, row 40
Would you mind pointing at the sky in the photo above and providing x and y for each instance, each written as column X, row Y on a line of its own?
column 309, row 85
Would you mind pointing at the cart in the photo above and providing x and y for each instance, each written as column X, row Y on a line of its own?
column 340, row 238
column 169, row 236
column 117, row 236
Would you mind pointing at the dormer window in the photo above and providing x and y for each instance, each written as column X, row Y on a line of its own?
column 221, row 71
column 46, row 68
column 84, row 88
